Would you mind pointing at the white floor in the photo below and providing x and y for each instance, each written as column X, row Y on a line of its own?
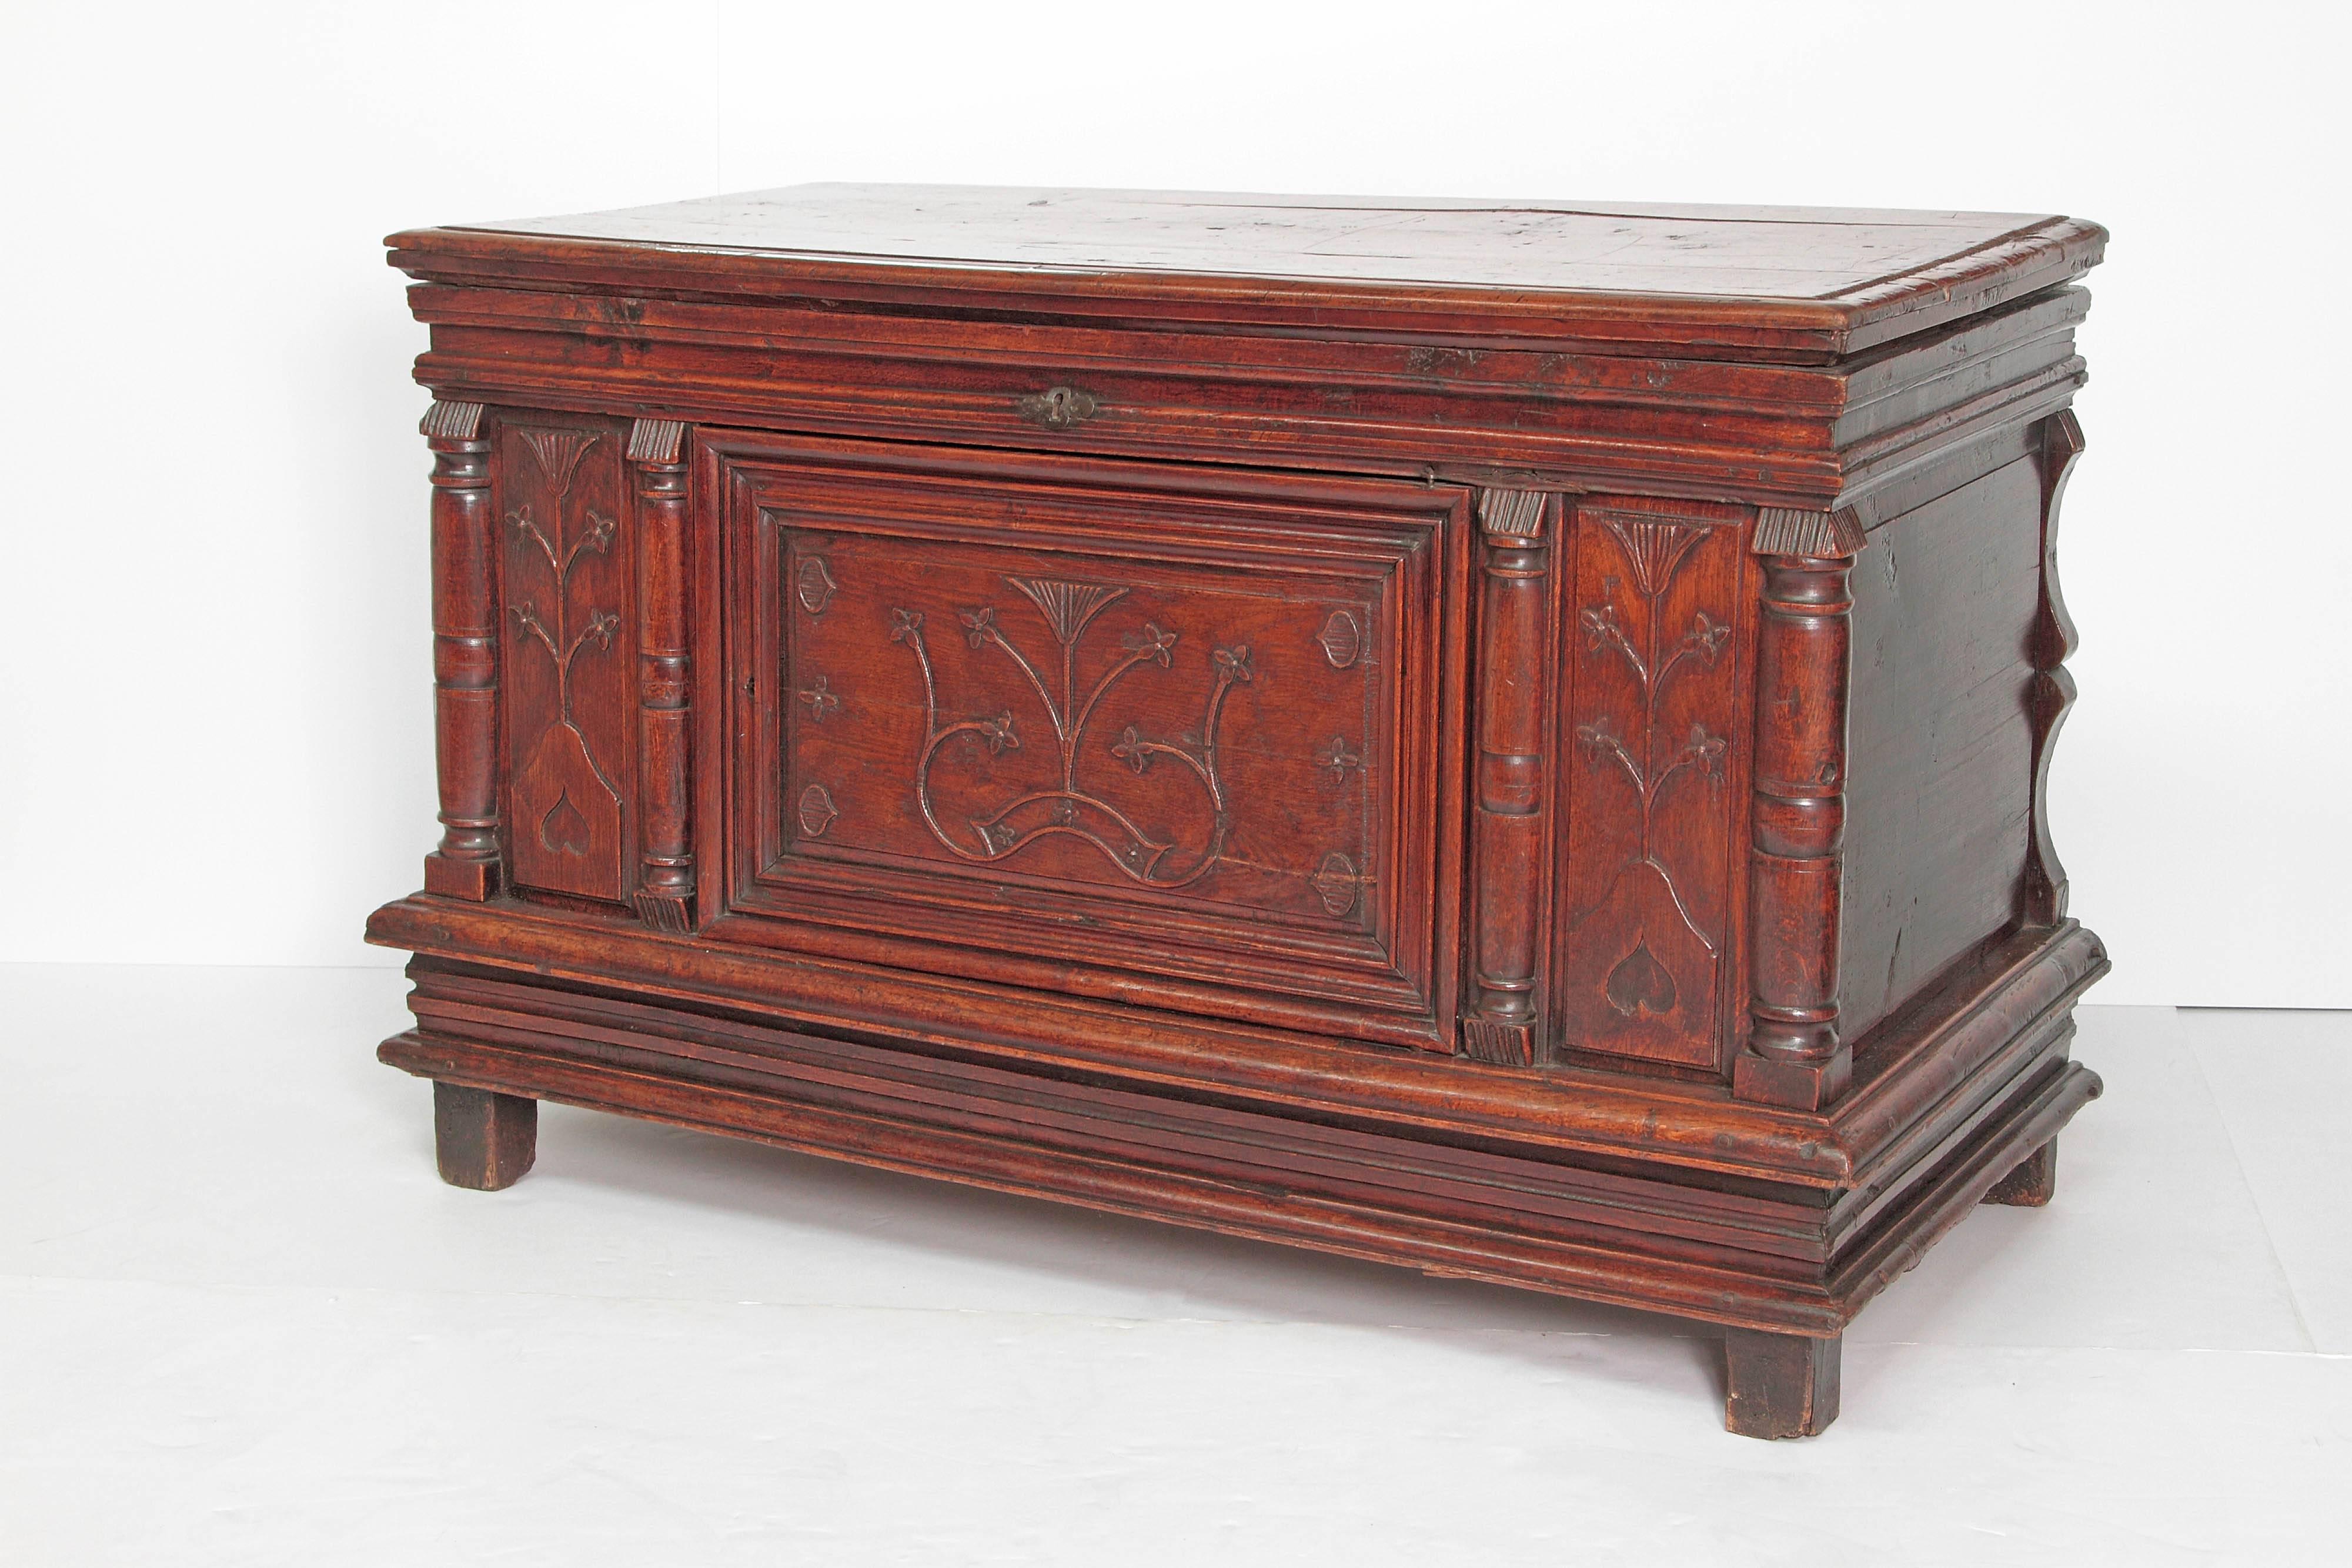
column 242, row 1322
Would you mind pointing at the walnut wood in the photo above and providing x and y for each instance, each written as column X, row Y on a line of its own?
column 1508, row 411
column 483, row 1139
column 1793, row 1055
column 1514, row 659
column 2033, row 1184
column 1780, row 1384
column 1761, row 279
column 665, row 895
column 931, row 724
column 2054, row 689
column 1511, row 742
column 1939, row 771
column 1656, row 756
column 465, row 655
column 1758, row 1257
column 571, row 674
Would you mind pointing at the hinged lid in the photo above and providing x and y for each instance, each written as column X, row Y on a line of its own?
column 1794, row 284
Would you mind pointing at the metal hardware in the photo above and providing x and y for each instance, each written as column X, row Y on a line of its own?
column 1058, row 408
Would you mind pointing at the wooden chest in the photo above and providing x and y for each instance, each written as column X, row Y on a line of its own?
column 1504, row 739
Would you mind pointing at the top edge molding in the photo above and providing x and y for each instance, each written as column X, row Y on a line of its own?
column 1792, row 285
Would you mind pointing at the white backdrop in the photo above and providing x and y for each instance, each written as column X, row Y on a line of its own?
column 216, row 713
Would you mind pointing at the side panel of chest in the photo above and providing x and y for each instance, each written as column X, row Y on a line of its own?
column 1190, row 738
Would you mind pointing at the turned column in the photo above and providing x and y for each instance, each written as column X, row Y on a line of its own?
column 2054, row 689
column 1499, row 1024
column 465, row 655
column 1793, row 1055
column 665, row 897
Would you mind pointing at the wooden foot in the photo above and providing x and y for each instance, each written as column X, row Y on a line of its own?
column 484, row 1140
column 2032, row 1183
column 1782, row 1384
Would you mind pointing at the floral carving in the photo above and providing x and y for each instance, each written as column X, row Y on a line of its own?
column 1068, row 609
column 821, row 698
column 1654, row 550
column 1339, row 758
column 1641, row 962
column 560, row 629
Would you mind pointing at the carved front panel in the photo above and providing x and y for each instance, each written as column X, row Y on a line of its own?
column 1195, row 738
column 1652, row 746
column 570, row 658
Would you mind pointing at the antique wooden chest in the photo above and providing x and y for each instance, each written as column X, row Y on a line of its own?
column 1507, row 739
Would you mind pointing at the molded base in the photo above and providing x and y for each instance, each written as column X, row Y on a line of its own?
column 1779, row 1225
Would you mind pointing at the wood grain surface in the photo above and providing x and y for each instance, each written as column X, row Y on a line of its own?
column 1772, row 278
column 1508, row 738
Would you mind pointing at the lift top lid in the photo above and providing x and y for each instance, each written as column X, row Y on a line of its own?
column 1794, row 284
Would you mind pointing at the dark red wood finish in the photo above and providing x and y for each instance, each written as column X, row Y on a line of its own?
column 484, row 1140
column 465, row 654
column 1507, row 740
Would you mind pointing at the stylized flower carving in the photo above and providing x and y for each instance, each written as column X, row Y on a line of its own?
column 821, row 699
column 1338, row 757
column 1151, row 640
column 1069, row 607
column 998, row 732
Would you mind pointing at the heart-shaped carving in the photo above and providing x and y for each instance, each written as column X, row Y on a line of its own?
column 563, row 828
column 1342, row 638
column 817, row 811
column 1639, row 984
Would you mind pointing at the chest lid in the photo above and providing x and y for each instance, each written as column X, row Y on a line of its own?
column 1789, row 283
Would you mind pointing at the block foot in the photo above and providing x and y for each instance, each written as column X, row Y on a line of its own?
column 1782, row 1384
column 484, row 1140
column 2032, row 1183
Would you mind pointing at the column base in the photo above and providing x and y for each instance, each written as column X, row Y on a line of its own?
column 1798, row 1085
column 475, row 881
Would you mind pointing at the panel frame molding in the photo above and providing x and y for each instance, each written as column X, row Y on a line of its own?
column 1397, row 984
